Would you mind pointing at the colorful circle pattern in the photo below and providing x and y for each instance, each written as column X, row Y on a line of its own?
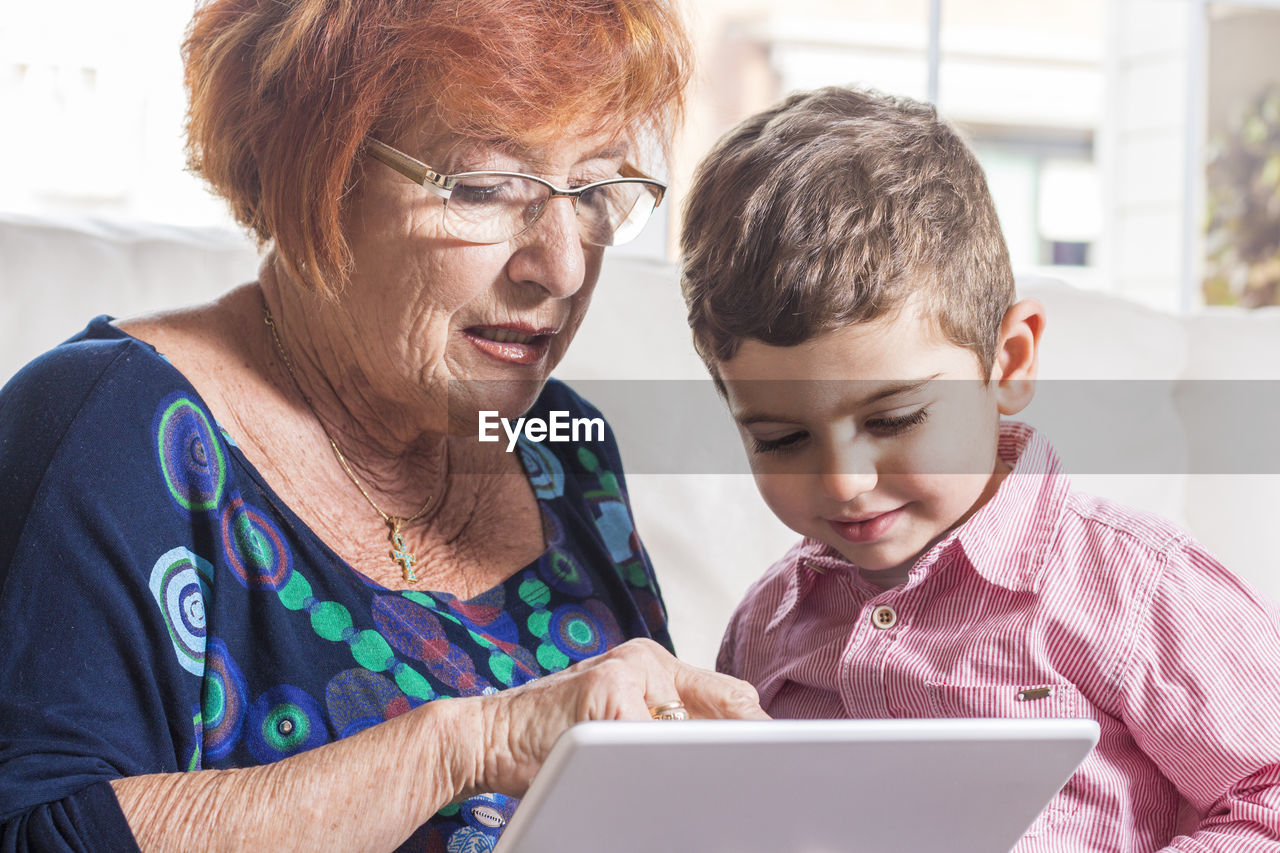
column 180, row 591
column 254, row 547
column 191, row 459
column 283, row 722
column 584, row 630
column 224, row 701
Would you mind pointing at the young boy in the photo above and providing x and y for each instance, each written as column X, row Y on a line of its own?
column 850, row 291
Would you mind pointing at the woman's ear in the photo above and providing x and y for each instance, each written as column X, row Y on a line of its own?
column 1017, row 354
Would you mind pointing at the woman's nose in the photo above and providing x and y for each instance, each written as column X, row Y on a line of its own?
column 551, row 253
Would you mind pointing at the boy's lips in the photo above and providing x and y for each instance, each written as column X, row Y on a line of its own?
column 513, row 343
column 866, row 528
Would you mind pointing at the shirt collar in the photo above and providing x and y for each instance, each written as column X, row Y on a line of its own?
column 809, row 561
column 1006, row 540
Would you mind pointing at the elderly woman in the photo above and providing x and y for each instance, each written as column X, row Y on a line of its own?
column 262, row 585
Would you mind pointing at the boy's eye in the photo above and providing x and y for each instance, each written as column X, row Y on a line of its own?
column 899, row 424
column 778, row 445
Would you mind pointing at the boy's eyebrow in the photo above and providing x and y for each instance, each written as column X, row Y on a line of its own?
column 890, row 390
column 894, row 389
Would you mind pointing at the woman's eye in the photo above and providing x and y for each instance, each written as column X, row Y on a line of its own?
column 496, row 189
column 778, row 445
column 480, row 192
column 899, row 424
column 595, row 199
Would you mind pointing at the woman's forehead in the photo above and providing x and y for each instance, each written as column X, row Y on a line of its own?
column 542, row 151
column 554, row 155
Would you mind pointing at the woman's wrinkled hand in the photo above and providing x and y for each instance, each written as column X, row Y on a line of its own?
column 522, row 724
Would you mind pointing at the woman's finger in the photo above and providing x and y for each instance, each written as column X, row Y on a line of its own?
column 703, row 693
column 646, row 677
column 716, row 696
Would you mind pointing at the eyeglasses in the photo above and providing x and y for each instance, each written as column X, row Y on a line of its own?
column 492, row 207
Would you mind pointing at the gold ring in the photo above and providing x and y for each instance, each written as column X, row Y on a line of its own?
column 669, row 711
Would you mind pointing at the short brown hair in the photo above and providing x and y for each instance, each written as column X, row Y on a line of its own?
column 835, row 207
column 284, row 93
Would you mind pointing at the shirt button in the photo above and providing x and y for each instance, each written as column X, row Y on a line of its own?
column 884, row 617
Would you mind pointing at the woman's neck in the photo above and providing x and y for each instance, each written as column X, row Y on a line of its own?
column 393, row 439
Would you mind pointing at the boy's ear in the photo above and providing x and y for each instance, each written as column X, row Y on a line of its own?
column 1017, row 355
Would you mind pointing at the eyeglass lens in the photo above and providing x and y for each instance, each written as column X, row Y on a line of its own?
column 492, row 208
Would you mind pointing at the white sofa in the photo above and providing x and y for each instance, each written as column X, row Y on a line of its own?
column 1112, row 404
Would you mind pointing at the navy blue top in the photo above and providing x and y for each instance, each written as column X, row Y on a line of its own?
column 162, row 609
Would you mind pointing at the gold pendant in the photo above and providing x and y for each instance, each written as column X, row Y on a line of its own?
column 400, row 553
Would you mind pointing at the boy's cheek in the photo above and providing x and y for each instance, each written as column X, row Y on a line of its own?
column 786, row 496
column 947, row 454
column 961, row 445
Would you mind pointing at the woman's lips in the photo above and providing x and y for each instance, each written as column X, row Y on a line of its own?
column 868, row 529
column 511, row 344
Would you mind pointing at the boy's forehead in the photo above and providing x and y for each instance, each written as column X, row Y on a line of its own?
column 896, row 349
column 842, row 369
column 763, row 401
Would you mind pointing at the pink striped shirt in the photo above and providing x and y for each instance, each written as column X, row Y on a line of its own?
column 1122, row 614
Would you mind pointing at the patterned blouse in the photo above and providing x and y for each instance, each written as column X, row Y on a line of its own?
column 162, row 609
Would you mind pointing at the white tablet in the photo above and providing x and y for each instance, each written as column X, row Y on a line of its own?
column 796, row 786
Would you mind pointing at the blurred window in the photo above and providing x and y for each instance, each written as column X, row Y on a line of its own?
column 1242, row 175
column 1023, row 80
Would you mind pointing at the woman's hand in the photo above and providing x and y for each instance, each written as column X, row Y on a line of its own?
column 374, row 788
column 521, row 725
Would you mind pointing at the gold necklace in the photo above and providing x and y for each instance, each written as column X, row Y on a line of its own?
column 400, row 552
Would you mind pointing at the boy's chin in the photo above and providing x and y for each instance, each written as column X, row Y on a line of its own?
column 871, row 559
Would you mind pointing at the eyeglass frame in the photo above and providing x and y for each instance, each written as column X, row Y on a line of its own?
column 441, row 185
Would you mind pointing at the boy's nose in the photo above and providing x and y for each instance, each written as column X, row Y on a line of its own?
column 847, row 474
column 842, row 486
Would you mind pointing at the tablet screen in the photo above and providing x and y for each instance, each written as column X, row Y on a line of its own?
column 800, row 786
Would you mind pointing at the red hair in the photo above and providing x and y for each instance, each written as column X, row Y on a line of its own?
column 283, row 93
